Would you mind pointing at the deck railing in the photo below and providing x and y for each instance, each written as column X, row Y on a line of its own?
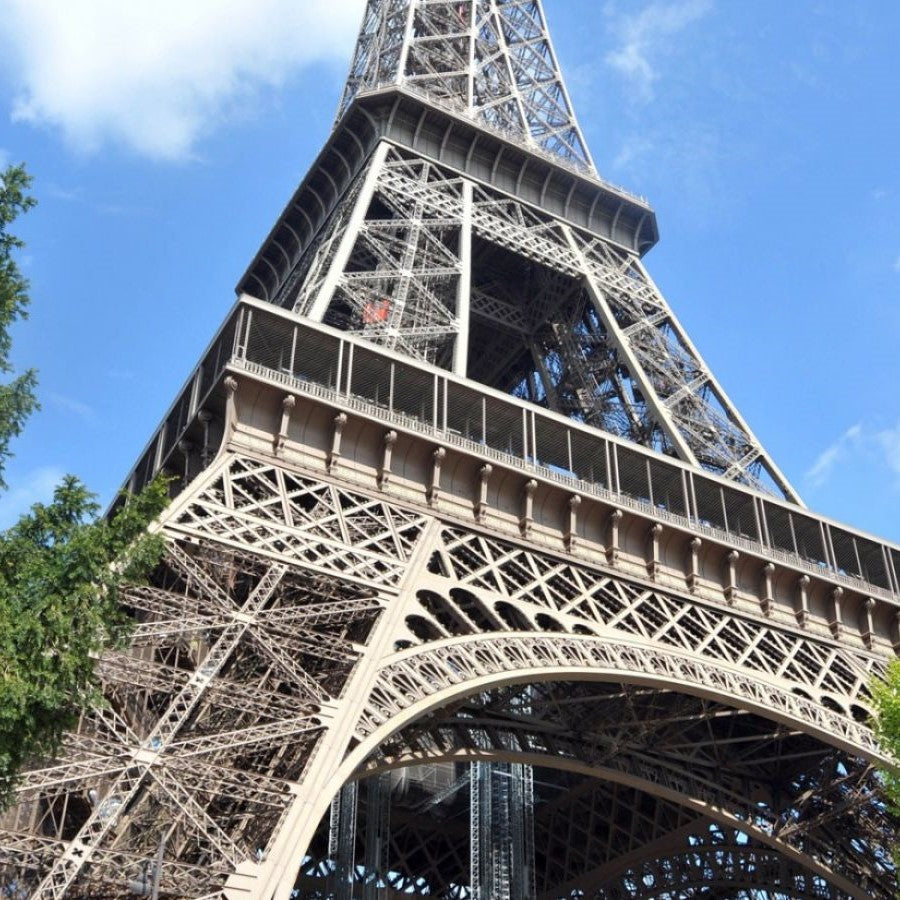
column 352, row 373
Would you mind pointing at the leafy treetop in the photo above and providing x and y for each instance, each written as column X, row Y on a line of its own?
column 62, row 566
column 62, row 572
column 886, row 699
column 17, row 397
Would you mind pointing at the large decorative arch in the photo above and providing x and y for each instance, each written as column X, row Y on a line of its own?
column 261, row 680
column 420, row 681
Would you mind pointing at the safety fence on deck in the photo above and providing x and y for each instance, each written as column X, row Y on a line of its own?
column 353, row 373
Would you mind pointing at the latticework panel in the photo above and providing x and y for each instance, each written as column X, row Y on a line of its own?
column 649, row 768
column 301, row 630
column 447, row 270
column 212, row 712
column 491, row 59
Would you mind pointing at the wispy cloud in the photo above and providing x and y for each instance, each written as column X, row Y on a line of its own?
column 888, row 442
column 35, row 487
column 643, row 36
column 897, row 264
column 820, row 471
column 72, row 406
column 157, row 77
column 67, row 195
column 878, row 446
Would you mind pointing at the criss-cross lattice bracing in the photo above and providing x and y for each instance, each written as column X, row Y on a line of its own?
column 653, row 746
column 415, row 636
column 301, row 631
column 455, row 273
column 489, row 59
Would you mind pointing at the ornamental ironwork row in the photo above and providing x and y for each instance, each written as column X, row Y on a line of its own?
column 477, row 584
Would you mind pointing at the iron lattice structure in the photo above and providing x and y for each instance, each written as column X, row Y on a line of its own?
column 477, row 584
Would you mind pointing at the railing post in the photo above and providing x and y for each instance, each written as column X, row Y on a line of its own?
column 293, row 349
column 435, row 401
column 351, row 348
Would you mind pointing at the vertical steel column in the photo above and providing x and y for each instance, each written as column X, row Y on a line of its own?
column 377, row 848
column 342, row 839
column 501, row 817
column 521, row 817
column 476, row 829
column 347, row 240
column 464, row 287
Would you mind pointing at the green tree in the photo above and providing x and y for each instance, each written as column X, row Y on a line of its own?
column 886, row 698
column 62, row 570
column 886, row 723
column 62, row 566
column 17, row 397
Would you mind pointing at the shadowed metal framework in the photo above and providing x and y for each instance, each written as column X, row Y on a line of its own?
column 493, row 61
column 477, row 585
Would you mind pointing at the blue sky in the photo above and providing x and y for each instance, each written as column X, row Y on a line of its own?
column 166, row 137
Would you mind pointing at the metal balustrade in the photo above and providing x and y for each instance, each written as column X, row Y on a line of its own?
column 351, row 373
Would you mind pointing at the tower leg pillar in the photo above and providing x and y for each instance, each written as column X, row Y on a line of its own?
column 275, row 877
column 501, row 820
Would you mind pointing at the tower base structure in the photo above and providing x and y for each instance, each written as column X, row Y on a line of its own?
column 382, row 575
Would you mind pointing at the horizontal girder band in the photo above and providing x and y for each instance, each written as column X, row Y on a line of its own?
column 453, row 140
column 287, row 351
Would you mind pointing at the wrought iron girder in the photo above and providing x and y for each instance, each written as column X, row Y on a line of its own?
column 330, row 613
column 170, row 606
column 71, row 775
column 582, row 601
column 246, row 736
column 657, row 735
column 491, row 59
column 132, row 672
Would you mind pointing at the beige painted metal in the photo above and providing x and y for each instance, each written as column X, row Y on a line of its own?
column 309, row 513
column 354, row 585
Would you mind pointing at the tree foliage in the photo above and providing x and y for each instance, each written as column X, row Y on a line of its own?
column 886, row 699
column 62, row 566
column 17, row 396
column 62, row 569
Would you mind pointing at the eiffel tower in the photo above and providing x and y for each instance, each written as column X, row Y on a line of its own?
column 477, row 584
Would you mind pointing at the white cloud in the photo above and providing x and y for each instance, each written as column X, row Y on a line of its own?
column 36, row 486
column 644, row 35
column 889, row 444
column 72, row 406
column 877, row 447
column 157, row 77
column 897, row 264
column 821, row 469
